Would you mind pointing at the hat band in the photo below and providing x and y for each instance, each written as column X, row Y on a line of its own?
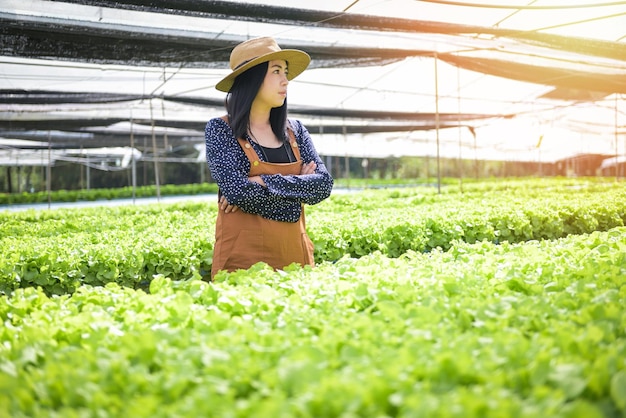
column 244, row 63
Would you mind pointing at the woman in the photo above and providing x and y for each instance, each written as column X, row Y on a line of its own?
column 265, row 165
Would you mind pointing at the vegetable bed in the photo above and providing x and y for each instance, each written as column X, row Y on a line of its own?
column 483, row 330
column 62, row 249
column 525, row 320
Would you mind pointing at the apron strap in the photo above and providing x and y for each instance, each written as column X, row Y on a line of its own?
column 292, row 141
column 251, row 153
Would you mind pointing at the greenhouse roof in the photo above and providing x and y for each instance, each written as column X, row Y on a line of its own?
column 537, row 80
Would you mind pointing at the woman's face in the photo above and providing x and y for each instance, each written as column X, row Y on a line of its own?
column 273, row 91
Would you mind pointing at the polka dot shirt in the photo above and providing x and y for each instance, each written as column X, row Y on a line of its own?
column 282, row 199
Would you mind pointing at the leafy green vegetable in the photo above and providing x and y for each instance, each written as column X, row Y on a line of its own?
column 62, row 249
column 481, row 330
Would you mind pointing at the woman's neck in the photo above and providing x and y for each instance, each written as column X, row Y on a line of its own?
column 259, row 117
column 260, row 129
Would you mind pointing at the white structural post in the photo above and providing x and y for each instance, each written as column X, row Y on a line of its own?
column 437, row 124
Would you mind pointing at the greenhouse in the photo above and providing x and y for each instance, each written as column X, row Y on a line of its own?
column 540, row 83
column 464, row 251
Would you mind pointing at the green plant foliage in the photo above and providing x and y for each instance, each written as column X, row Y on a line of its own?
column 107, row 194
column 396, row 220
column 59, row 250
column 480, row 330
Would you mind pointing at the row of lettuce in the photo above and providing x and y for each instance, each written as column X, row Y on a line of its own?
column 59, row 250
column 481, row 330
column 90, row 195
column 106, row 194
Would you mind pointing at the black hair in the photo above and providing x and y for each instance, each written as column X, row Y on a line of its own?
column 239, row 101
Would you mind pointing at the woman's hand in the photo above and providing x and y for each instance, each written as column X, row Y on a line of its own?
column 308, row 168
column 225, row 206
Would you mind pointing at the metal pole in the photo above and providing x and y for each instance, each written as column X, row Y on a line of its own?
column 346, row 157
column 133, row 164
column 154, row 152
column 88, row 173
column 437, row 124
column 329, row 158
column 616, row 136
column 458, row 86
column 475, row 156
column 82, row 169
column 19, row 176
column 49, row 170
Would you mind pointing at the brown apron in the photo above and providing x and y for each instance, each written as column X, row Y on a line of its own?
column 243, row 239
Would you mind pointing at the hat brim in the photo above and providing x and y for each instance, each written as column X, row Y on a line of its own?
column 297, row 61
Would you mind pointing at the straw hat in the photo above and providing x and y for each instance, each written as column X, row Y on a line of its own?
column 255, row 51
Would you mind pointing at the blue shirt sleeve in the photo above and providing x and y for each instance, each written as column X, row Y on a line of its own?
column 229, row 167
column 309, row 189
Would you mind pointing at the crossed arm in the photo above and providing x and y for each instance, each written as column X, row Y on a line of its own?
column 307, row 168
column 272, row 196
